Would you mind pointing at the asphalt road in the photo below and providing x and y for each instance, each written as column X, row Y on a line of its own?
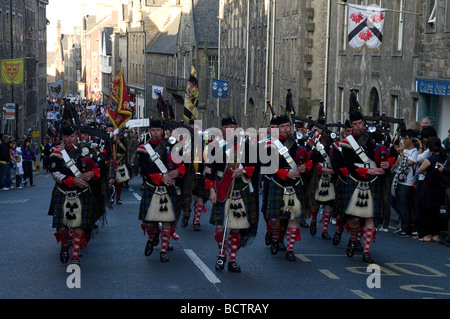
column 114, row 265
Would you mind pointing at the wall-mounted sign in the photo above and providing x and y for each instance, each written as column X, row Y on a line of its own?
column 433, row 87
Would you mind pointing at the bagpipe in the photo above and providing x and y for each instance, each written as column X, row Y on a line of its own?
column 380, row 123
column 227, row 182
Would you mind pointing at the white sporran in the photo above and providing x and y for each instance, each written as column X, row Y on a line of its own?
column 361, row 203
column 122, row 174
column 291, row 206
column 235, row 209
column 325, row 191
column 161, row 208
column 72, row 210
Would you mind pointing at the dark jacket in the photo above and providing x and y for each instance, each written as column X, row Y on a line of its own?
column 445, row 178
column 4, row 153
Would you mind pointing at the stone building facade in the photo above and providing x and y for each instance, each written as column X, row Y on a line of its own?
column 268, row 47
column 414, row 53
column 24, row 35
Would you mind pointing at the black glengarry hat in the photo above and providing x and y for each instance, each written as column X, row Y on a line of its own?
column 156, row 124
column 67, row 129
column 230, row 120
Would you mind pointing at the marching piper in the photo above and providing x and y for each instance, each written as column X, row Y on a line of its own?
column 363, row 185
column 285, row 191
column 76, row 202
column 228, row 180
column 160, row 169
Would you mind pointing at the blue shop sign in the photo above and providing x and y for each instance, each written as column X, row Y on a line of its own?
column 434, row 87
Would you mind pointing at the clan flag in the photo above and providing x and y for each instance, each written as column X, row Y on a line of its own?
column 365, row 26
column 56, row 89
column 12, row 71
column 219, row 89
column 118, row 109
column 191, row 97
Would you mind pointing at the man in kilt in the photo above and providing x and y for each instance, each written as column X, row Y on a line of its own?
column 363, row 184
column 265, row 181
column 341, row 200
column 77, row 200
column 321, row 181
column 160, row 169
column 194, row 183
column 228, row 181
column 285, row 191
column 120, row 170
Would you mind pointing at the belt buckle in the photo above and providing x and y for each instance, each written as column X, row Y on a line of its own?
column 71, row 195
column 161, row 190
column 289, row 190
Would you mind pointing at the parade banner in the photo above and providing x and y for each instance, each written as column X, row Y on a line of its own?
column 365, row 26
column 118, row 109
column 219, row 89
column 191, row 97
column 56, row 89
column 12, row 71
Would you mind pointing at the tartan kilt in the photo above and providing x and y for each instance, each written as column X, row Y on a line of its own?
column 265, row 194
column 87, row 212
column 342, row 197
column 375, row 190
column 311, row 183
column 199, row 187
column 146, row 199
column 275, row 199
column 217, row 217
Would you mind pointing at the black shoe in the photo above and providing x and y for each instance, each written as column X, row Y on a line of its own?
column 358, row 246
column 281, row 246
column 313, row 229
column 64, row 254
column 336, row 238
column 290, row 255
column 367, row 259
column 325, row 235
column 220, row 263
column 184, row 221
column 170, row 247
column 350, row 250
column 119, row 202
column 402, row 233
column 197, row 227
column 233, row 267
column 148, row 248
column 163, row 257
column 268, row 239
column 274, row 247
column 304, row 224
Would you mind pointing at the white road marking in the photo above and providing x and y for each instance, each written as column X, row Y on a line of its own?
column 138, row 197
column 201, row 265
column 328, row 273
column 362, row 294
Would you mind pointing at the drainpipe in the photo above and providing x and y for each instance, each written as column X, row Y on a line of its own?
column 325, row 82
column 246, row 58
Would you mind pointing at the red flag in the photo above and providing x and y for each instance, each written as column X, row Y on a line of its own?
column 119, row 110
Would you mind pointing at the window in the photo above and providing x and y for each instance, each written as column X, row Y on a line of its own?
column 212, row 65
column 398, row 18
column 395, row 109
column 432, row 13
